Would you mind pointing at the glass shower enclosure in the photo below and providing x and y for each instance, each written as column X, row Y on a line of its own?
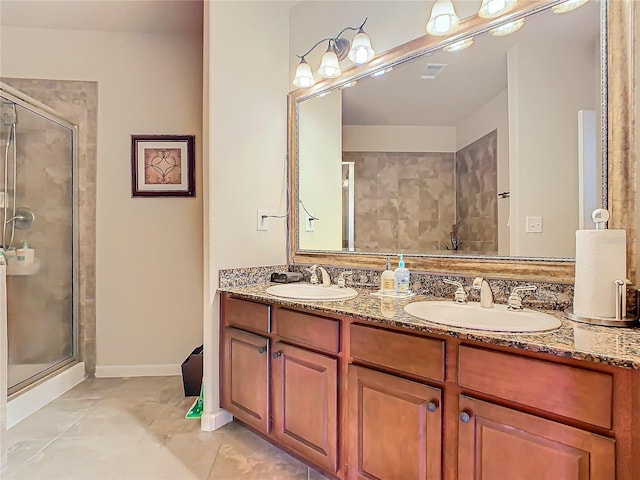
column 38, row 209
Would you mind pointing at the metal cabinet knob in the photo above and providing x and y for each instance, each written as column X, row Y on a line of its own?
column 464, row 417
column 262, row 349
column 276, row 354
column 432, row 406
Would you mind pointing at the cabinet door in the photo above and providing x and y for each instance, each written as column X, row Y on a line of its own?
column 394, row 427
column 305, row 401
column 245, row 378
column 497, row 443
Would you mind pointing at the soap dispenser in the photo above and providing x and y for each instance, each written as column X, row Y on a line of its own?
column 388, row 280
column 401, row 275
column 25, row 254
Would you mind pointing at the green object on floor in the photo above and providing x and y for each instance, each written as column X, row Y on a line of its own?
column 196, row 409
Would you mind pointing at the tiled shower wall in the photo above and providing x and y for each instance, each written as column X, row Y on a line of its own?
column 477, row 196
column 78, row 103
column 404, row 202
column 408, row 202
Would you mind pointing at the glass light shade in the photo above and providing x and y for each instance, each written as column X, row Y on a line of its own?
column 507, row 28
column 495, row 8
column 304, row 76
column 443, row 18
column 568, row 6
column 361, row 51
column 329, row 66
column 459, row 46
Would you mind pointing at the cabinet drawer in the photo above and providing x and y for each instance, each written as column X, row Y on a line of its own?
column 248, row 315
column 311, row 330
column 423, row 357
column 568, row 391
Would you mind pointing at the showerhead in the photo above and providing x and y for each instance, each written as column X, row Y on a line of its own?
column 9, row 115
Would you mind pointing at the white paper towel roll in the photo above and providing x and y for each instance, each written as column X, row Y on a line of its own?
column 601, row 259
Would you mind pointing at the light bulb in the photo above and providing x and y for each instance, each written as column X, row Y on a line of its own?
column 507, row 28
column 459, row 46
column 495, row 8
column 329, row 66
column 304, row 76
column 361, row 51
column 568, row 6
column 443, row 18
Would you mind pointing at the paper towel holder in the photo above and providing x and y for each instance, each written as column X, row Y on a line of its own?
column 622, row 319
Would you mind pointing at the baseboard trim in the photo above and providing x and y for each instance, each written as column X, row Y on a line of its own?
column 213, row 421
column 32, row 400
column 114, row 371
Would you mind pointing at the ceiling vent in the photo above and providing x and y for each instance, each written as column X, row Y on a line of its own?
column 432, row 70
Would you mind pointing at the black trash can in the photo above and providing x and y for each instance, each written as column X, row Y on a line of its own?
column 192, row 373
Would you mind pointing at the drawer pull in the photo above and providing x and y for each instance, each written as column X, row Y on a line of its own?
column 276, row 354
column 432, row 406
column 262, row 349
column 464, row 417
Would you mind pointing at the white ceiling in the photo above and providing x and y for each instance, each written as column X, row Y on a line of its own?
column 140, row 16
column 472, row 77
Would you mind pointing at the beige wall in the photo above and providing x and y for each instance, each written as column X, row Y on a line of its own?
column 320, row 172
column 246, row 114
column 149, row 251
column 543, row 146
column 398, row 138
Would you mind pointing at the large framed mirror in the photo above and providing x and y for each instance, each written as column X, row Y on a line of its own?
column 459, row 159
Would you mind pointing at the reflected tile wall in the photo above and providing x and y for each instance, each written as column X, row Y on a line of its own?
column 477, row 196
column 404, row 202
column 37, row 335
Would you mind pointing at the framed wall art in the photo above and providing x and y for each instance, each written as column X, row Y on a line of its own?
column 163, row 166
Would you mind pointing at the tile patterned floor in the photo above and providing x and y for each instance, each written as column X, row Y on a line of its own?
column 134, row 428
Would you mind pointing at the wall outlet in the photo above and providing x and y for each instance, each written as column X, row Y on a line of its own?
column 534, row 224
column 3, row 199
column 262, row 220
column 308, row 224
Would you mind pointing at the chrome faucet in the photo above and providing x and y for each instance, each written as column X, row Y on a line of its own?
column 486, row 295
column 460, row 296
column 341, row 280
column 514, row 302
column 326, row 278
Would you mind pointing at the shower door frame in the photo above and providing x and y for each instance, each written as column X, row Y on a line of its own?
column 13, row 95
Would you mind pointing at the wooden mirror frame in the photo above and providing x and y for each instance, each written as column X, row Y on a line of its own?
column 619, row 74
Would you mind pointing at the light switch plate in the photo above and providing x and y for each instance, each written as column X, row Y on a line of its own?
column 262, row 220
column 534, row 224
column 308, row 224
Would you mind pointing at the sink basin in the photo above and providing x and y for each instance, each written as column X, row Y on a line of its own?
column 307, row 291
column 473, row 316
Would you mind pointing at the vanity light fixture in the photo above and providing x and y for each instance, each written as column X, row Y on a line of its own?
column 443, row 19
column 379, row 73
column 507, row 28
column 459, row 46
column 495, row 8
column 359, row 51
column 568, row 6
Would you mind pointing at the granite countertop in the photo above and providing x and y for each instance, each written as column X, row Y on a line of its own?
column 609, row 345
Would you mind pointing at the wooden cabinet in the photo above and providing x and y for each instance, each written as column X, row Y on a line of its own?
column 497, row 443
column 360, row 400
column 287, row 392
column 305, row 403
column 245, row 378
column 394, row 427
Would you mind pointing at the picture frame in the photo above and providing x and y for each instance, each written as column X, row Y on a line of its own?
column 163, row 166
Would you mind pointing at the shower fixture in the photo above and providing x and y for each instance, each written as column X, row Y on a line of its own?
column 23, row 218
column 14, row 217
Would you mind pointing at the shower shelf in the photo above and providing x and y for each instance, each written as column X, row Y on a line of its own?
column 22, row 270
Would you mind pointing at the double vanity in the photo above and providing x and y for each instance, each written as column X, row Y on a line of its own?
column 359, row 388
